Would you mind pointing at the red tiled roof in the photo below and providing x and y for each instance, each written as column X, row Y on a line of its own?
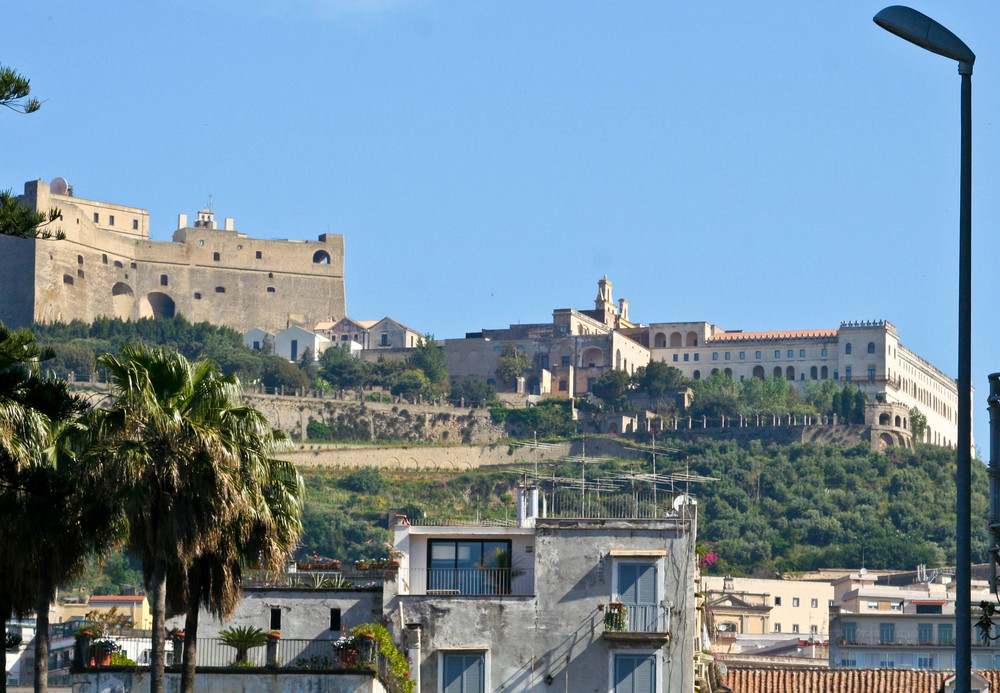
column 106, row 598
column 843, row 680
column 768, row 336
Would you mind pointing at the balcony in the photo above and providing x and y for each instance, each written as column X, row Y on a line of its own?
column 636, row 623
column 481, row 582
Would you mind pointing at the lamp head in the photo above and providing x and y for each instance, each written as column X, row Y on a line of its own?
column 920, row 29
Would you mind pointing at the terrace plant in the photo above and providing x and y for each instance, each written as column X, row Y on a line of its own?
column 243, row 639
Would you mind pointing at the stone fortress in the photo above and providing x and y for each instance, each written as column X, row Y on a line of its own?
column 108, row 266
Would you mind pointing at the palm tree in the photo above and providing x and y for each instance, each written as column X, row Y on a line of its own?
column 265, row 530
column 173, row 437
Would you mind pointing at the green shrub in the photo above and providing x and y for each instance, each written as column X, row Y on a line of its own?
column 367, row 481
column 399, row 668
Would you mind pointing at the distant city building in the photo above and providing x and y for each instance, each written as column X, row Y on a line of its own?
column 566, row 356
column 370, row 334
column 902, row 627
column 108, row 266
column 865, row 354
column 754, row 606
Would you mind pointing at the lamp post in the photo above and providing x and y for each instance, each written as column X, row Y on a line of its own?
column 926, row 33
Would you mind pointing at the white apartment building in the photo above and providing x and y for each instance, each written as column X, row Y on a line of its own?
column 866, row 354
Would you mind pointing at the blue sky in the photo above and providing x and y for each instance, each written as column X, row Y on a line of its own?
column 766, row 165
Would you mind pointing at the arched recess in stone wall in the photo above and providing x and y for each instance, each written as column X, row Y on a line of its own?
column 593, row 356
column 122, row 300
column 321, row 257
column 790, row 373
column 883, row 419
column 660, row 340
column 728, row 372
column 618, row 359
column 714, row 371
column 156, row 304
column 777, row 371
column 676, row 340
column 886, row 441
column 824, row 373
column 758, row 372
column 692, row 339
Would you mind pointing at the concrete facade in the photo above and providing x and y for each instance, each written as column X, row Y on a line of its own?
column 866, row 354
column 546, row 626
column 232, row 681
column 107, row 266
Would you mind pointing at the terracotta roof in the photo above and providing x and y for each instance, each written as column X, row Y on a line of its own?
column 766, row 336
column 843, row 680
column 97, row 599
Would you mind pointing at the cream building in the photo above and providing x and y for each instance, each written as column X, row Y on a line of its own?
column 866, row 354
column 108, row 266
column 772, row 606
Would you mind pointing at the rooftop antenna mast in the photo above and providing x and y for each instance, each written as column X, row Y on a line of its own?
column 210, row 207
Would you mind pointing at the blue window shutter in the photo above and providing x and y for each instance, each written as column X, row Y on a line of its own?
column 452, row 674
column 464, row 673
column 475, row 674
column 635, row 674
column 645, row 675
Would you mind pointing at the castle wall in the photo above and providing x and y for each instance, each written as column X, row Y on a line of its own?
column 108, row 267
column 17, row 280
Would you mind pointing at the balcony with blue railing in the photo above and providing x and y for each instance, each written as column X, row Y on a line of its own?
column 636, row 622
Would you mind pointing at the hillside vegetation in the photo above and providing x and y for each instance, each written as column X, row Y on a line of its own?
column 779, row 508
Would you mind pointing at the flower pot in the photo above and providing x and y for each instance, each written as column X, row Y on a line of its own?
column 100, row 656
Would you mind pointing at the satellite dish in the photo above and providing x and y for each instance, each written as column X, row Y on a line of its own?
column 59, row 186
column 684, row 499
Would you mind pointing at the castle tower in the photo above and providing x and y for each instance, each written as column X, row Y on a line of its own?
column 604, row 302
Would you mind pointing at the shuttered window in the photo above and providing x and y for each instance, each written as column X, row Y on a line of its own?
column 635, row 673
column 464, row 672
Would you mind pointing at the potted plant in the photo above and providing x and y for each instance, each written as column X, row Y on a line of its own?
column 274, row 634
column 361, row 564
column 101, row 651
column 243, row 639
column 395, row 558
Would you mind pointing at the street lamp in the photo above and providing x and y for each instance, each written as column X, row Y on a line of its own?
column 926, row 33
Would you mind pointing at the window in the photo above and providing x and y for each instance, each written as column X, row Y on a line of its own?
column 68, row 279
column 928, row 608
column 259, row 255
column 335, row 619
column 823, row 352
column 848, row 661
column 802, row 353
column 239, row 247
column 563, row 386
column 814, row 629
column 675, row 357
column 715, row 356
column 888, row 661
column 871, row 347
column 696, row 356
column 79, row 259
column 777, row 353
column 795, row 601
column 463, row 672
column 275, row 618
column 590, row 384
column 925, row 662
column 97, row 218
column 777, row 627
column 847, row 372
column 270, row 290
column 117, row 264
column 79, row 273
column 635, row 673
column 220, row 289
column 202, row 242
column 135, row 224
column 847, row 348
column 545, row 361
column 814, row 603
column 886, row 633
column 270, row 275
column 343, row 337
column 757, row 356
column 104, row 259
column 777, row 601
column 111, row 220
column 133, row 265
column 295, row 350
column 216, row 257
column 384, row 340
column 459, row 566
column 685, row 357
column 836, row 375
column 743, row 355
column 197, row 296
column 790, row 352
column 256, row 345
column 795, row 627
column 946, row 634
column 163, row 280
column 925, row 633
column 871, row 372
column 726, row 356
column 565, row 360
column 849, row 632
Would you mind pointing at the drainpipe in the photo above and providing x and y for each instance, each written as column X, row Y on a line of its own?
column 411, row 641
column 994, row 476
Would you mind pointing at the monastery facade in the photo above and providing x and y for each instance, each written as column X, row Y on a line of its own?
column 108, row 266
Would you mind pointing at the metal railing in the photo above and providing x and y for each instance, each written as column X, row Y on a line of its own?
column 472, row 581
column 636, row 618
column 213, row 652
column 632, row 506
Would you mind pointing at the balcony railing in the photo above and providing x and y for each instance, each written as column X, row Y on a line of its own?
column 636, row 618
column 473, row 581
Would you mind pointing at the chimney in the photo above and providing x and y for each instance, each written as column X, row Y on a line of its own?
column 182, row 221
column 527, row 505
